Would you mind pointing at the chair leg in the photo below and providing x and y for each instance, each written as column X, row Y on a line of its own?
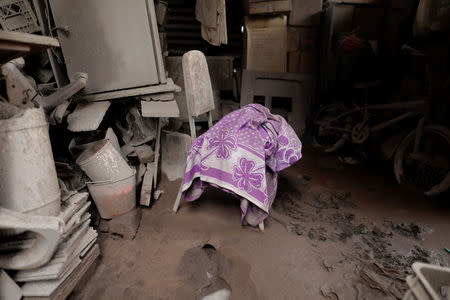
column 261, row 226
column 210, row 121
column 157, row 150
column 178, row 199
column 192, row 126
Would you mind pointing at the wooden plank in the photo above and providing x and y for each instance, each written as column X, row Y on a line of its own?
column 146, row 90
column 15, row 44
column 33, row 40
column 14, row 47
column 147, row 185
column 160, row 109
column 158, row 97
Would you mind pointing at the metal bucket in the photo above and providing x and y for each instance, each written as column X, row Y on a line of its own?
column 28, row 181
column 102, row 162
column 114, row 198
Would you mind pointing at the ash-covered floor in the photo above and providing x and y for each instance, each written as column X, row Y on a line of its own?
column 336, row 231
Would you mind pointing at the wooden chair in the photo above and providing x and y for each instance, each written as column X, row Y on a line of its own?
column 198, row 89
column 199, row 97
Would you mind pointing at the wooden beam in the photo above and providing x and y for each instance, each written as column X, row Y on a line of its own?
column 15, row 44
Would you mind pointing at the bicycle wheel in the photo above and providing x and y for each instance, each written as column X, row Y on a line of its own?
column 427, row 170
column 326, row 138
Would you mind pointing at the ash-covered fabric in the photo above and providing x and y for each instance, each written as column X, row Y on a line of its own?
column 242, row 155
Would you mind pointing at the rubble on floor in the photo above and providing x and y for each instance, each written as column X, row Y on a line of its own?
column 322, row 214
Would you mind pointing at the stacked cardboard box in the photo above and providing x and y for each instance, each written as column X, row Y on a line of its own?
column 286, row 42
column 302, row 50
column 257, row 7
column 303, row 32
column 266, row 43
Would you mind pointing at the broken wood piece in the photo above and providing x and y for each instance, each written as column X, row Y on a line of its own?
column 158, row 109
column 169, row 86
column 87, row 116
column 147, row 185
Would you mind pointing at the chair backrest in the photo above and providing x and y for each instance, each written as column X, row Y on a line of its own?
column 197, row 83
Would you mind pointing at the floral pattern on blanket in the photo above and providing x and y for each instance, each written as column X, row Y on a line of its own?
column 242, row 155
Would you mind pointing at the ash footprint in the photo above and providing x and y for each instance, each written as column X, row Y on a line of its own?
column 204, row 269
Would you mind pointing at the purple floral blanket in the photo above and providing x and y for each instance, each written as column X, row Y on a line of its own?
column 242, row 154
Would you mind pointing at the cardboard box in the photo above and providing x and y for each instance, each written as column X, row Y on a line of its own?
column 302, row 50
column 265, row 47
column 268, row 7
column 305, row 12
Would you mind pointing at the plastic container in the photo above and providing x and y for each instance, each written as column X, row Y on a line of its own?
column 28, row 181
column 427, row 282
column 18, row 16
column 114, row 198
column 102, row 162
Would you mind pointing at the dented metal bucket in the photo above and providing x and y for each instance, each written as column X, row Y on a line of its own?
column 114, row 198
column 28, row 181
column 102, row 162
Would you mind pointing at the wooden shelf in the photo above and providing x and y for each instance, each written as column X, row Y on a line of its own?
column 16, row 44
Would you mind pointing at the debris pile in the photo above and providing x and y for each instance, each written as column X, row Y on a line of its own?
column 94, row 147
column 45, row 232
column 323, row 215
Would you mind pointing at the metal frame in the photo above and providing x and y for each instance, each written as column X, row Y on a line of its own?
column 417, row 105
